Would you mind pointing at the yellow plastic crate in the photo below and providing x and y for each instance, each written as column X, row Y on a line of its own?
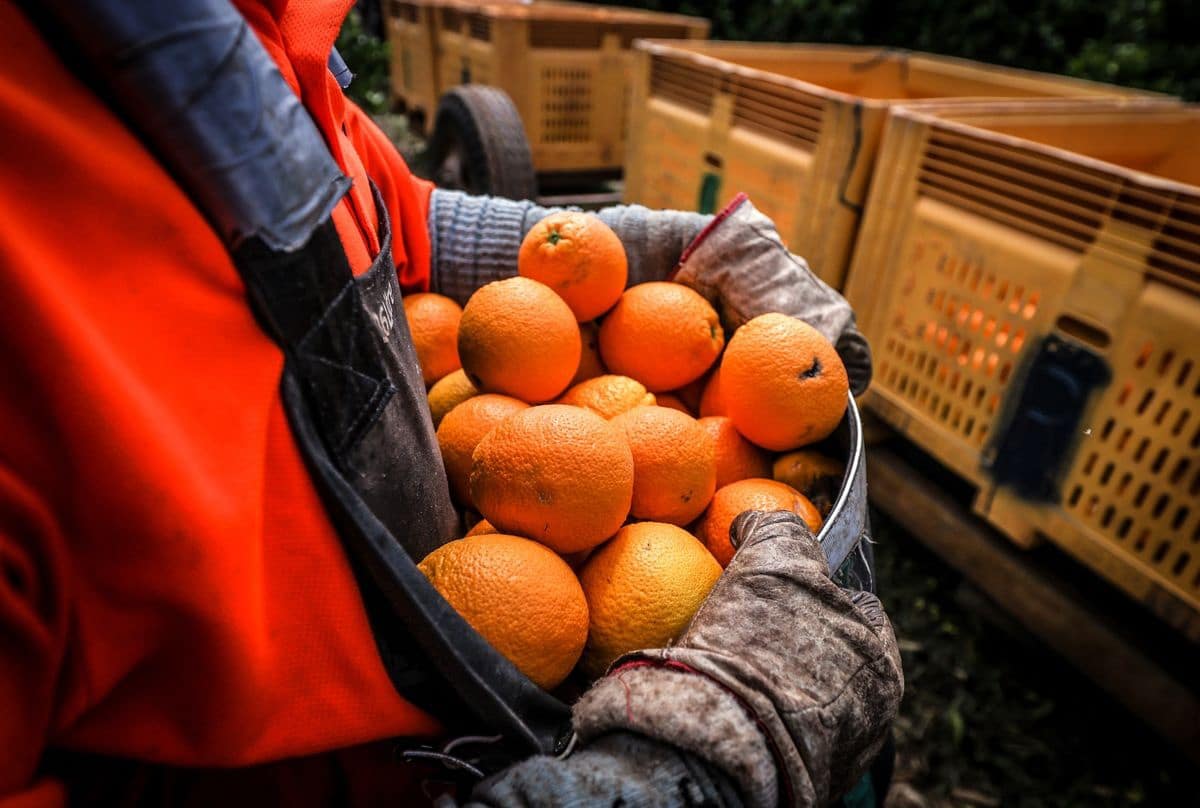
column 796, row 127
column 567, row 68
column 413, row 63
column 993, row 227
column 412, row 33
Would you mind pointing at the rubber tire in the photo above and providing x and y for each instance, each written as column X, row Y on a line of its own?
column 479, row 144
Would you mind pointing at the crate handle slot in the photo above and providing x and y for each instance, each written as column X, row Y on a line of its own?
column 1040, row 423
column 1093, row 335
column 710, row 184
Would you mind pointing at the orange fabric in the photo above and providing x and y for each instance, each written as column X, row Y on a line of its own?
column 406, row 197
column 170, row 588
column 44, row 794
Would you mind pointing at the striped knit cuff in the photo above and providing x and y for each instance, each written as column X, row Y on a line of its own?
column 476, row 239
column 654, row 239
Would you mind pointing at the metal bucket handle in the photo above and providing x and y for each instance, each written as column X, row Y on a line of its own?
column 848, row 524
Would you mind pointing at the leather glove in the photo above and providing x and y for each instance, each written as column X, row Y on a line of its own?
column 740, row 264
column 783, row 683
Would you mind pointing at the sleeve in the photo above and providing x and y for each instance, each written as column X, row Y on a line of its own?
column 407, row 197
column 621, row 769
column 475, row 239
column 33, row 633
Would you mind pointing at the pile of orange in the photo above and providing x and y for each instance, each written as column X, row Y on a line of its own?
column 608, row 437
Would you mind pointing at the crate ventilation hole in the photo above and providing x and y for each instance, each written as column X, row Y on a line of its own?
column 967, row 331
column 1141, row 483
column 566, row 105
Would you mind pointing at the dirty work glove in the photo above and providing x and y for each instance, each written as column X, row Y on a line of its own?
column 783, row 685
column 736, row 260
column 739, row 263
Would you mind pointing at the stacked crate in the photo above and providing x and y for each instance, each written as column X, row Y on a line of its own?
column 413, row 55
column 1002, row 240
column 796, row 127
column 566, row 66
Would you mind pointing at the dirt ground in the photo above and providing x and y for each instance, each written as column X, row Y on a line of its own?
column 992, row 719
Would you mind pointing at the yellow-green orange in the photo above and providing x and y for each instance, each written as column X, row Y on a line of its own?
column 642, row 589
column 608, row 395
column 447, row 393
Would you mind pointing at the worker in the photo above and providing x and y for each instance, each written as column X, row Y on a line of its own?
column 217, row 465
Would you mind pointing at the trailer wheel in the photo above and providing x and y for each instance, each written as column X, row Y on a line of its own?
column 479, row 144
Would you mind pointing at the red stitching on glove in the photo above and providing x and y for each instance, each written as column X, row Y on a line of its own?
column 675, row 665
column 725, row 213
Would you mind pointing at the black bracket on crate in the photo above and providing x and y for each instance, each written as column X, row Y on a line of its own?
column 1040, row 425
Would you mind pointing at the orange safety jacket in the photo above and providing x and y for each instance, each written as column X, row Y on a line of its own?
column 172, row 589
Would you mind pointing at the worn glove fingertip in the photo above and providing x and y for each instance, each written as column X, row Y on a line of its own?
column 762, row 534
column 743, row 526
column 855, row 353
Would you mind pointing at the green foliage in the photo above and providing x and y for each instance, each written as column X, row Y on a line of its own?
column 367, row 58
column 1152, row 44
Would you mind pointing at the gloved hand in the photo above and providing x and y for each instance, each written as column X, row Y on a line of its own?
column 783, row 685
column 475, row 239
column 736, row 260
column 739, row 263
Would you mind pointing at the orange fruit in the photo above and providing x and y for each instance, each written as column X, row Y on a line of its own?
column 590, row 365
column 519, row 338
column 674, row 468
column 754, row 494
column 711, row 403
column 804, row 468
column 433, row 321
column 461, row 431
column 662, row 334
column 520, row 596
column 673, row 402
column 447, row 393
column 482, row 528
column 737, row 458
column 579, row 257
column 559, row 474
column 608, row 395
column 642, row 589
column 782, row 382
column 813, row 474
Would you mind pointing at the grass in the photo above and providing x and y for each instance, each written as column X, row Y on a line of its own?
column 990, row 718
